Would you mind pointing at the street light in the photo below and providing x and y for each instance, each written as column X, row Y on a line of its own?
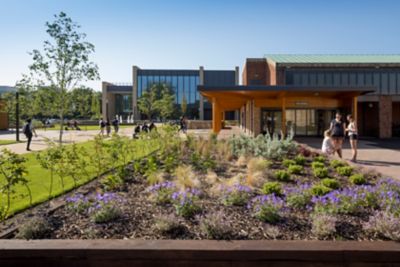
column 17, row 115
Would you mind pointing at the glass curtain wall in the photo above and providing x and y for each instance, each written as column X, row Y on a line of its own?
column 183, row 85
column 123, row 104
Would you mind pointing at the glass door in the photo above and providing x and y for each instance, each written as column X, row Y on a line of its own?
column 271, row 121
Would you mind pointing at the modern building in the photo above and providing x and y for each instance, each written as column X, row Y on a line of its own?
column 302, row 92
column 120, row 99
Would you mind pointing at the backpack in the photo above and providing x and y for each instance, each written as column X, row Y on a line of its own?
column 115, row 122
column 27, row 130
column 102, row 124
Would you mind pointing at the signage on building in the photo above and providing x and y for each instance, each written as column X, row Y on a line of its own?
column 301, row 103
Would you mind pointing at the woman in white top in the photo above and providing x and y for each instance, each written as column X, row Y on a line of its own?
column 353, row 136
column 327, row 146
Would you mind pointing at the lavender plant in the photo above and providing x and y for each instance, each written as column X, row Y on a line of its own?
column 215, row 226
column 106, row 208
column 78, row 203
column 298, row 197
column 235, row 195
column 161, row 193
column 323, row 225
column 385, row 224
column 186, row 202
column 267, row 208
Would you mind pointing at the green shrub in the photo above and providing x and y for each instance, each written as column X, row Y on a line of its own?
column 337, row 163
column 345, row 170
column 299, row 200
column 112, row 182
column 288, row 162
column 331, row 183
column 36, row 228
column 320, row 172
column 300, row 160
column 295, row 169
column 320, row 190
column 282, row 175
column 317, row 165
column 357, row 179
column 106, row 214
column 319, row 159
column 272, row 188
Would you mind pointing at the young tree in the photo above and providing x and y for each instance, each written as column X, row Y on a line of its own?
column 166, row 103
column 157, row 100
column 184, row 105
column 64, row 61
column 147, row 103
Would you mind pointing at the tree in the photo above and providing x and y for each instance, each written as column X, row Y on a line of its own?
column 64, row 61
column 157, row 100
column 166, row 103
column 184, row 105
column 95, row 106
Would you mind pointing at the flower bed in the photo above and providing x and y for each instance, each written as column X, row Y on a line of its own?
column 243, row 188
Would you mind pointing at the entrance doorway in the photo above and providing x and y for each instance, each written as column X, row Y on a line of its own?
column 271, row 121
column 309, row 122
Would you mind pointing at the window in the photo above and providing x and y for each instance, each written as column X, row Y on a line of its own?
column 313, row 79
column 360, row 79
column 377, row 82
column 321, row 79
column 329, row 79
column 385, row 83
column 352, row 79
column 392, row 83
column 139, row 85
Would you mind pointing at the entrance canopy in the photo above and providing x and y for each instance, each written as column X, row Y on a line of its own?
column 249, row 99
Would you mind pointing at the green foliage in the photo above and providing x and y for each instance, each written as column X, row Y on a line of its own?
column 299, row 200
column 112, row 182
column 321, row 172
column 331, row 183
column 158, row 99
column 184, row 104
column 262, row 146
column 35, row 228
column 288, row 162
column 272, row 188
column 319, row 159
column 300, row 160
column 319, row 190
column 13, row 171
column 345, row 170
column 317, row 165
column 295, row 169
column 357, row 179
column 106, row 213
column 337, row 163
column 63, row 63
column 282, row 175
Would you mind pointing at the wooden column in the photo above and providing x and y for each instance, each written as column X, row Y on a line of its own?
column 217, row 116
column 283, row 116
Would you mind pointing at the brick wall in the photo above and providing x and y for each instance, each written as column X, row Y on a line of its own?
column 255, row 72
column 385, row 116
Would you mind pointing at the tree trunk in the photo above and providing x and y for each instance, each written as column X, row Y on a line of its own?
column 61, row 127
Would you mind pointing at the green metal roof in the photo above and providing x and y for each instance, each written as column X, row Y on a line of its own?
column 333, row 59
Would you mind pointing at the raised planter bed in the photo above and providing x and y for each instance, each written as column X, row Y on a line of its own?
column 197, row 253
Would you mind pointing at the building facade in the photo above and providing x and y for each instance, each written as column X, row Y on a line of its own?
column 122, row 100
column 302, row 92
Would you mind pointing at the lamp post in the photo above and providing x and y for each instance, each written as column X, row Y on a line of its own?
column 17, row 116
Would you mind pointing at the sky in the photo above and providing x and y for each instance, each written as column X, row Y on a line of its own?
column 216, row 34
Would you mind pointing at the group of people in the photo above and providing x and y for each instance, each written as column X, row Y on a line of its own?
column 143, row 128
column 105, row 126
column 335, row 135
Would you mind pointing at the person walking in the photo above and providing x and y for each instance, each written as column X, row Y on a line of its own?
column 102, row 125
column 353, row 136
column 115, row 124
column 108, row 127
column 338, row 129
column 28, row 130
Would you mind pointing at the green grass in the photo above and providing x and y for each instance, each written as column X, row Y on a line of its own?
column 83, row 127
column 8, row 142
column 39, row 178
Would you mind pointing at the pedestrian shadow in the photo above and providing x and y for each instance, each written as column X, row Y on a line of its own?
column 378, row 163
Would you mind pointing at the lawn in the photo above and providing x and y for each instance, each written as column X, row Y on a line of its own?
column 39, row 178
column 243, row 188
column 7, row 142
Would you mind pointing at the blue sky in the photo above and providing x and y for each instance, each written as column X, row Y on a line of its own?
column 216, row 34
